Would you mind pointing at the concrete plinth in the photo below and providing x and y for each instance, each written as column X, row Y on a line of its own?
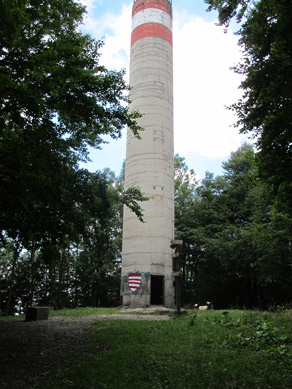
column 37, row 313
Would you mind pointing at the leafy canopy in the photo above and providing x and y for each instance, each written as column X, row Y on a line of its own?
column 55, row 101
column 265, row 111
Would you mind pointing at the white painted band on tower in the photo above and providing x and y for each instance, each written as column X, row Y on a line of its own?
column 152, row 15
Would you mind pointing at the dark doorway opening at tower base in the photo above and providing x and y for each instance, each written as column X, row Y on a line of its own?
column 157, row 290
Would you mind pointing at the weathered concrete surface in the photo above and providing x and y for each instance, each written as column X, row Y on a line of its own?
column 150, row 161
column 37, row 313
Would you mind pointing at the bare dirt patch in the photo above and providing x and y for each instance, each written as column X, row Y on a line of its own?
column 29, row 350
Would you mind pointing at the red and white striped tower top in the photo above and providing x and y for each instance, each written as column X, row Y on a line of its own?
column 152, row 18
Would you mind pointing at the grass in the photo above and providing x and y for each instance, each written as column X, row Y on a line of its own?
column 76, row 312
column 211, row 349
column 79, row 312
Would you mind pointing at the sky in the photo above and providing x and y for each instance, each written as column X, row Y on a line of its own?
column 203, row 82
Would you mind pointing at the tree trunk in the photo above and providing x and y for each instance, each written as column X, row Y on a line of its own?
column 52, row 272
column 31, row 292
column 16, row 251
column 61, row 280
column 196, row 284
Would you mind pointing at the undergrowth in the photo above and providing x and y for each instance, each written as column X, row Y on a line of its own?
column 209, row 349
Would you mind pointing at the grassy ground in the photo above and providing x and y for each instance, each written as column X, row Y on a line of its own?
column 81, row 312
column 208, row 349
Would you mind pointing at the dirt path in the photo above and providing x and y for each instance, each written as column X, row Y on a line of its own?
column 29, row 350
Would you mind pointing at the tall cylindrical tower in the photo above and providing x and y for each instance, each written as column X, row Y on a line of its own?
column 146, row 254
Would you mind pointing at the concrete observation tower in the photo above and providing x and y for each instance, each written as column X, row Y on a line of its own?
column 146, row 254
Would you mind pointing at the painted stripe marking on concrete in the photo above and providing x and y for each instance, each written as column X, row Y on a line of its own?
column 152, row 15
column 134, row 281
column 157, row 4
column 151, row 30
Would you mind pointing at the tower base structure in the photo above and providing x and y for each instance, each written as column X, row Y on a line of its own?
column 153, row 290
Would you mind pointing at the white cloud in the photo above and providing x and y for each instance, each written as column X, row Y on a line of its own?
column 203, row 85
column 115, row 31
column 203, row 81
column 90, row 4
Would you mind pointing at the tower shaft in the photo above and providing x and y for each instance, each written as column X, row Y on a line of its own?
column 146, row 254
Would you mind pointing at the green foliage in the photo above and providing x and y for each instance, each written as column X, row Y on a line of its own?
column 184, row 197
column 227, row 9
column 259, row 335
column 131, row 198
column 55, row 101
column 83, row 269
column 265, row 109
column 237, row 245
column 168, row 354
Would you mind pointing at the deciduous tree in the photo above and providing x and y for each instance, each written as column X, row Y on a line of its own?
column 265, row 111
column 55, row 101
